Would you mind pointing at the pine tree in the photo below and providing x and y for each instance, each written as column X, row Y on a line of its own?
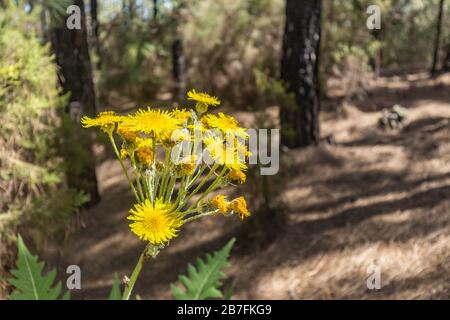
column 299, row 70
column 72, row 56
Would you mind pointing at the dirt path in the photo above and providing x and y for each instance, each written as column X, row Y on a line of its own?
column 376, row 198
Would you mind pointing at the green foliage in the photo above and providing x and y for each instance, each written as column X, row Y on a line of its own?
column 272, row 91
column 205, row 279
column 404, row 39
column 57, row 8
column 229, row 292
column 223, row 42
column 136, row 53
column 226, row 40
column 115, row 290
column 29, row 282
column 32, row 171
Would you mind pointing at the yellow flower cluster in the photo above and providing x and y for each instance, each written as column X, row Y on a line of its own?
column 106, row 120
column 169, row 175
column 203, row 100
column 238, row 206
column 155, row 222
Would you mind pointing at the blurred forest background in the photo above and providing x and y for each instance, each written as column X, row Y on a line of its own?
column 364, row 116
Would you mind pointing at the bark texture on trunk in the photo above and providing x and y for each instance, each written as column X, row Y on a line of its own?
column 95, row 31
column 155, row 9
column 178, row 69
column 446, row 65
column 300, row 70
column 75, row 75
column 72, row 56
column 438, row 37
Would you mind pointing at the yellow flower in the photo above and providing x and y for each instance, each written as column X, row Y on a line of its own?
column 215, row 147
column 155, row 223
column 203, row 98
column 106, row 120
column 239, row 206
column 144, row 151
column 170, row 139
column 223, row 154
column 125, row 133
column 187, row 165
column 235, row 163
column 158, row 123
column 242, row 150
column 220, row 202
column 197, row 127
column 226, row 124
column 182, row 114
column 237, row 176
column 235, row 156
column 180, row 135
column 123, row 154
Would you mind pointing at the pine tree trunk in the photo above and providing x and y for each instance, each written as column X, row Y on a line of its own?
column 438, row 36
column 378, row 35
column 131, row 9
column 299, row 70
column 155, row 9
column 95, row 31
column 446, row 65
column 178, row 69
column 72, row 56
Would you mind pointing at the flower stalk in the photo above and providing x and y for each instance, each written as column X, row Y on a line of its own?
column 165, row 186
column 134, row 276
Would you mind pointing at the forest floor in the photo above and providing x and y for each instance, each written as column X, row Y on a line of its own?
column 375, row 198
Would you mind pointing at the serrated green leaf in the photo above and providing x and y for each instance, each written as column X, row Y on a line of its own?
column 28, row 281
column 115, row 290
column 229, row 292
column 205, row 278
column 66, row 296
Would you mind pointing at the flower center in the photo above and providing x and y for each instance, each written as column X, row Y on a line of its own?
column 155, row 223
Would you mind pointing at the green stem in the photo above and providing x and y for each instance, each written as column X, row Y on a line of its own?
column 211, row 188
column 181, row 191
column 155, row 186
column 189, row 211
column 213, row 169
column 146, row 184
column 137, row 178
column 135, row 275
column 150, row 179
column 111, row 138
column 209, row 213
column 166, row 175
column 170, row 188
column 200, row 172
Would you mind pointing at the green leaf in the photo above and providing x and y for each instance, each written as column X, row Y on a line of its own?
column 229, row 292
column 115, row 290
column 28, row 281
column 58, row 9
column 205, row 279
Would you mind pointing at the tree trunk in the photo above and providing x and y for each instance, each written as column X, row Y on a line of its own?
column 72, row 56
column 131, row 9
column 299, row 70
column 155, row 9
column 377, row 34
column 95, row 31
column 178, row 68
column 446, row 65
column 438, row 36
